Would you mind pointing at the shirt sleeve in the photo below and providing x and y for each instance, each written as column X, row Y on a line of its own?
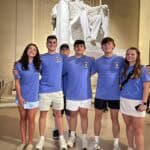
column 17, row 71
column 145, row 74
column 93, row 69
column 64, row 71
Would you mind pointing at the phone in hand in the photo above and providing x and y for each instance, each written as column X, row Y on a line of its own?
column 136, row 107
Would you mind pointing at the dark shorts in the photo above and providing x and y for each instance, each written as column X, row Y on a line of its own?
column 67, row 112
column 103, row 104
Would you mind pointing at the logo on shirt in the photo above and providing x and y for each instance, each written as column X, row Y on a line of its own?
column 58, row 59
column 116, row 65
column 85, row 64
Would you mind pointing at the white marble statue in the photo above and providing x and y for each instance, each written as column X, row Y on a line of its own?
column 61, row 13
column 77, row 20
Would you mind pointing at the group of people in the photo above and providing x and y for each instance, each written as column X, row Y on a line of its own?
column 65, row 85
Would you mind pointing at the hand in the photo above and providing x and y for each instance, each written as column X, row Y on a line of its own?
column 142, row 108
column 21, row 102
column 15, row 72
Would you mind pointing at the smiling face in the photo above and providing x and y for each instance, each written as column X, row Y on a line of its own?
column 79, row 49
column 51, row 45
column 32, row 51
column 65, row 51
column 108, row 47
column 131, row 56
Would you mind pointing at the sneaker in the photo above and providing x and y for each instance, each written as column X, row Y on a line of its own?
column 55, row 134
column 62, row 144
column 40, row 145
column 130, row 148
column 29, row 147
column 71, row 141
column 21, row 147
column 116, row 147
column 97, row 146
column 84, row 144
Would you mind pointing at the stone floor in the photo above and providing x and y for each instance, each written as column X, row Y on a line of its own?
column 9, row 131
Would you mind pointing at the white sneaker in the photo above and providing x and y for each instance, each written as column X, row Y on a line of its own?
column 71, row 141
column 97, row 146
column 29, row 147
column 62, row 144
column 116, row 147
column 130, row 148
column 40, row 144
column 21, row 146
column 84, row 143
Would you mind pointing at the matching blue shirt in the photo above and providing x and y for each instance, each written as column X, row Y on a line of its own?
column 78, row 71
column 133, row 89
column 29, row 82
column 51, row 73
column 108, row 69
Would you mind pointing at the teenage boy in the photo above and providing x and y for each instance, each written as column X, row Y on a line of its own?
column 108, row 68
column 78, row 69
column 65, row 51
column 51, row 91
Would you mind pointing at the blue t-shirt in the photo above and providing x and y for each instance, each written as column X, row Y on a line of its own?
column 133, row 89
column 51, row 73
column 78, row 71
column 108, row 69
column 29, row 82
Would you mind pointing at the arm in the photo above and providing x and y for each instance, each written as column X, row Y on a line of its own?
column 146, row 90
column 18, row 90
column 17, row 77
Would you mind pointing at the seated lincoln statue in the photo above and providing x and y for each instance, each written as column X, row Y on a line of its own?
column 76, row 20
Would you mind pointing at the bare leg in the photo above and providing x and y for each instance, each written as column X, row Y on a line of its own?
column 115, row 122
column 138, row 126
column 129, row 130
column 23, row 124
column 42, row 122
column 97, row 121
column 59, row 121
column 84, row 120
column 73, row 120
column 31, row 123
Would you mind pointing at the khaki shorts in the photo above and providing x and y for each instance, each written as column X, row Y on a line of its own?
column 55, row 99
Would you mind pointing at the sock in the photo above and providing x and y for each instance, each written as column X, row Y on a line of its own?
column 116, row 141
column 130, row 148
column 97, row 139
column 42, row 137
column 61, row 137
column 84, row 136
column 72, row 133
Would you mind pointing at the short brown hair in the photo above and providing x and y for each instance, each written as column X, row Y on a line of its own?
column 107, row 40
column 51, row 37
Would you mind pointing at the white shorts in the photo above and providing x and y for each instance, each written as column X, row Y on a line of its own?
column 127, row 107
column 29, row 105
column 74, row 105
column 47, row 99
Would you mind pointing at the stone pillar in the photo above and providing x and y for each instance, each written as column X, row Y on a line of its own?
column 144, row 31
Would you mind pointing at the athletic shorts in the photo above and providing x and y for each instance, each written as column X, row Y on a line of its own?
column 29, row 105
column 74, row 105
column 103, row 104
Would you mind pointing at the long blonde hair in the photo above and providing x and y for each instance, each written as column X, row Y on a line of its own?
column 137, row 66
